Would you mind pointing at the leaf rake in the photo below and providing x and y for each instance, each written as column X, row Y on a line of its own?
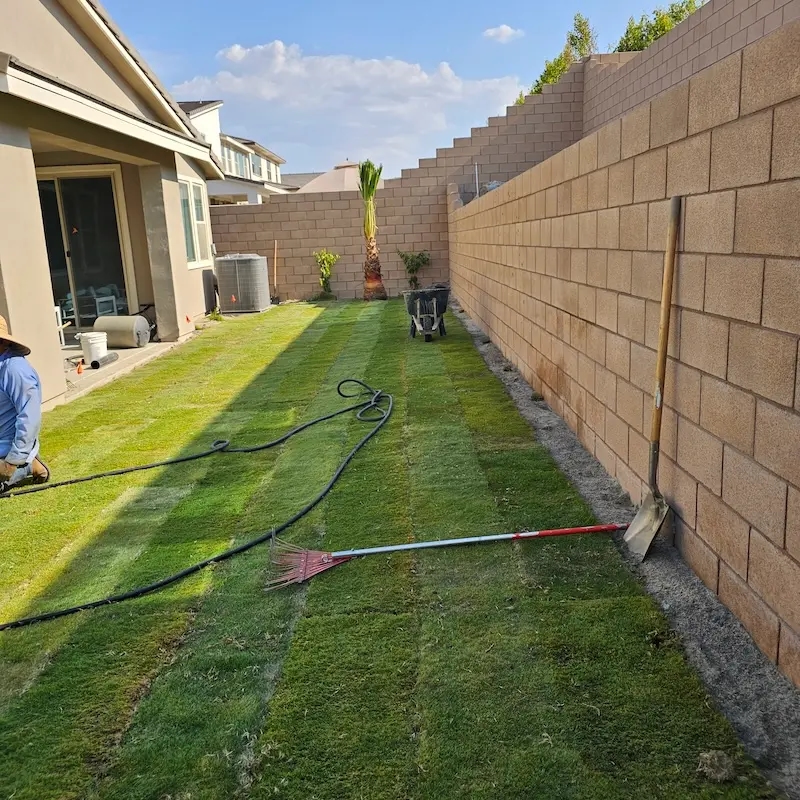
column 293, row 564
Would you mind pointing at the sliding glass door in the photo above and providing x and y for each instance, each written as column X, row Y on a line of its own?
column 83, row 246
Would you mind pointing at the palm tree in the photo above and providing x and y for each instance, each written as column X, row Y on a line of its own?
column 368, row 178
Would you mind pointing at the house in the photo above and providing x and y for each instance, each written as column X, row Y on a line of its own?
column 252, row 172
column 104, row 206
column 344, row 177
column 300, row 179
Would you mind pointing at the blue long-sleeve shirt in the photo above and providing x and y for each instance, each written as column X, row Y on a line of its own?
column 20, row 409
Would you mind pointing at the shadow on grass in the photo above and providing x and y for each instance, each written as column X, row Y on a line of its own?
column 93, row 667
column 263, row 410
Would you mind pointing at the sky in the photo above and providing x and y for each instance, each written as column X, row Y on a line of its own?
column 320, row 82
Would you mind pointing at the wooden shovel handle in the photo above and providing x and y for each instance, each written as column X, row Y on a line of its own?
column 666, row 306
column 275, row 268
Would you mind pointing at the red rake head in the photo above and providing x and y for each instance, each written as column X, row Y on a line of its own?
column 297, row 565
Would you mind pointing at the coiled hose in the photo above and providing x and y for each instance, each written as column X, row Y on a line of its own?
column 377, row 409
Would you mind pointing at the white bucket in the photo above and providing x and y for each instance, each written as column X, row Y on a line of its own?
column 94, row 346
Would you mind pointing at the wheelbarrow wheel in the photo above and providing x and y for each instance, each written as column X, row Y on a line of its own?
column 413, row 332
column 442, row 331
column 428, row 337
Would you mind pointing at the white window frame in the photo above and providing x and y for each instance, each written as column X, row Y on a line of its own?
column 198, row 263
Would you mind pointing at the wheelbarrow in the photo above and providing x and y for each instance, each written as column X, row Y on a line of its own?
column 427, row 307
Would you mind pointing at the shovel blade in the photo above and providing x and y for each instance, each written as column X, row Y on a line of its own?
column 646, row 524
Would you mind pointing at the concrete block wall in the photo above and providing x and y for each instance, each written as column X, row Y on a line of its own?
column 715, row 31
column 562, row 268
column 508, row 145
column 412, row 209
column 303, row 223
column 592, row 93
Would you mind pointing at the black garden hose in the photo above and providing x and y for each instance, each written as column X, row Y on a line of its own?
column 370, row 410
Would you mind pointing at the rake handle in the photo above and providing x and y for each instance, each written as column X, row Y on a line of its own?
column 497, row 537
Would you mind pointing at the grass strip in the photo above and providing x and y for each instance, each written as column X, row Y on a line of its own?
column 537, row 669
column 213, row 698
column 104, row 662
column 342, row 722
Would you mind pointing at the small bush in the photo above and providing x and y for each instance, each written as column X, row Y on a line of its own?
column 326, row 261
column 414, row 263
column 215, row 315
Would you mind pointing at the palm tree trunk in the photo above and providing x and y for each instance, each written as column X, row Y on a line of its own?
column 373, row 283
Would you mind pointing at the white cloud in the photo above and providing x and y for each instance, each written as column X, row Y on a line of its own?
column 317, row 110
column 503, row 33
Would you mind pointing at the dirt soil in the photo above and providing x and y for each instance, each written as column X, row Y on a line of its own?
column 761, row 704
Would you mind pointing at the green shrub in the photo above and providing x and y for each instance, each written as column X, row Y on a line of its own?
column 326, row 261
column 414, row 263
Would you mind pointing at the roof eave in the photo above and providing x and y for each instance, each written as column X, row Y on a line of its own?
column 253, row 146
column 202, row 109
column 97, row 24
column 274, row 157
column 235, row 142
column 30, row 84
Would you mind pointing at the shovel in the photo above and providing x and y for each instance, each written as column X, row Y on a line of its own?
column 275, row 299
column 654, row 509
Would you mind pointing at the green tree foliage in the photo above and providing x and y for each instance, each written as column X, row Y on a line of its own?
column 581, row 41
column 640, row 34
column 554, row 69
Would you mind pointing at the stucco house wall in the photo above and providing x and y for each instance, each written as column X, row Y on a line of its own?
column 76, row 101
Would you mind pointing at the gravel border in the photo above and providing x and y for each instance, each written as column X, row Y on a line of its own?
column 761, row 704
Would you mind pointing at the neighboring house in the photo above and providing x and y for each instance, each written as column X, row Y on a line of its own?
column 300, row 179
column 252, row 172
column 342, row 178
column 103, row 207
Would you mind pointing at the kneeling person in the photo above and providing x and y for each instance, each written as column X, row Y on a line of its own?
column 20, row 416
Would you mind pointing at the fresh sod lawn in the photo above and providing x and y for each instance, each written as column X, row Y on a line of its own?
column 533, row 670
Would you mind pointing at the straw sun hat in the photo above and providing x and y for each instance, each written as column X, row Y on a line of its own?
column 7, row 337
